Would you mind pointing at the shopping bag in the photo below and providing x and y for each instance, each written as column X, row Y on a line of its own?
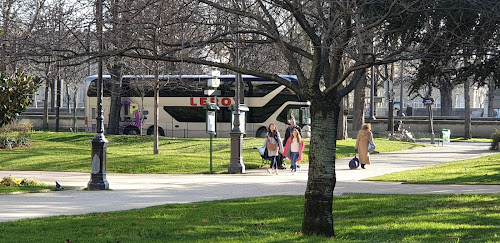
column 354, row 163
column 371, row 147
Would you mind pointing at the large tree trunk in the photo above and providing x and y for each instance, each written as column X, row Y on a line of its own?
column 467, row 123
column 46, row 107
column 390, row 95
column 75, row 103
column 53, row 95
column 116, row 101
column 491, row 97
column 68, row 98
column 318, row 217
column 342, row 129
column 156, row 109
column 358, row 113
column 445, row 89
column 431, row 122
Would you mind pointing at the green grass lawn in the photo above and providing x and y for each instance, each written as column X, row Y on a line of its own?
column 358, row 218
column 483, row 140
column 23, row 189
column 134, row 154
column 484, row 170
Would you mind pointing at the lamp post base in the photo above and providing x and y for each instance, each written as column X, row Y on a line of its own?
column 236, row 163
column 98, row 182
column 98, row 172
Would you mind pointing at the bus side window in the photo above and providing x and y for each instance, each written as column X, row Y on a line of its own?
column 289, row 111
column 227, row 88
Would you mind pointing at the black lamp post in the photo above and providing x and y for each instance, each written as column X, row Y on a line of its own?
column 236, row 164
column 99, row 142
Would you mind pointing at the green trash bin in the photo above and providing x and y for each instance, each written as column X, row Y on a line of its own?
column 446, row 135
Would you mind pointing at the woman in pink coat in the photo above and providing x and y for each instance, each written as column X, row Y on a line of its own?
column 364, row 137
column 294, row 147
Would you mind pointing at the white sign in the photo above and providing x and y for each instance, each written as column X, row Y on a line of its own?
column 213, row 82
column 210, row 121
column 212, row 92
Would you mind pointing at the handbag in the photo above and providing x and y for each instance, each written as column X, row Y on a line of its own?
column 270, row 146
column 371, row 147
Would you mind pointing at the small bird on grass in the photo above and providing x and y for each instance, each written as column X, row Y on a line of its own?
column 59, row 187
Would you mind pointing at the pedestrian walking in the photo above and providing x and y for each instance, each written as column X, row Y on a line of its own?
column 293, row 149
column 288, row 132
column 274, row 146
column 364, row 137
column 293, row 125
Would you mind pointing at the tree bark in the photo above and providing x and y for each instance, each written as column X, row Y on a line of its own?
column 390, row 96
column 445, row 89
column 318, row 217
column 116, row 102
column 46, row 107
column 342, row 129
column 68, row 97
column 53, row 95
column 431, row 122
column 75, row 121
column 468, row 120
column 491, row 97
column 156, row 108
column 358, row 113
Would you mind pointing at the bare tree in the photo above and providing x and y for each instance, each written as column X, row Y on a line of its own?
column 319, row 41
column 323, row 55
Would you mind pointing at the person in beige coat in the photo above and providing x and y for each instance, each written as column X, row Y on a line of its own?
column 364, row 137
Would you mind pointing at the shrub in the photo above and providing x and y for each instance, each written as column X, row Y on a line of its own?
column 22, row 127
column 22, row 137
column 23, row 140
column 7, row 142
column 495, row 136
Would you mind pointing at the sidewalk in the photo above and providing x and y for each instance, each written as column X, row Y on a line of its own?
column 139, row 190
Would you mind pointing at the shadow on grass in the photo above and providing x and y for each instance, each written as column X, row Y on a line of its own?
column 69, row 137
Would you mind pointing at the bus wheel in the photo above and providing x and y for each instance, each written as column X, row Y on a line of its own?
column 151, row 129
column 261, row 132
column 131, row 130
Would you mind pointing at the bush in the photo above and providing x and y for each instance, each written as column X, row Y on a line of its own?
column 23, row 127
column 22, row 137
column 495, row 136
column 7, row 142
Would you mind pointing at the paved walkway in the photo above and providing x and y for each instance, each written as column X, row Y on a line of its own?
column 139, row 191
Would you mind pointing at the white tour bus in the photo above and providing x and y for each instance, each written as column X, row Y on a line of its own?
column 182, row 101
